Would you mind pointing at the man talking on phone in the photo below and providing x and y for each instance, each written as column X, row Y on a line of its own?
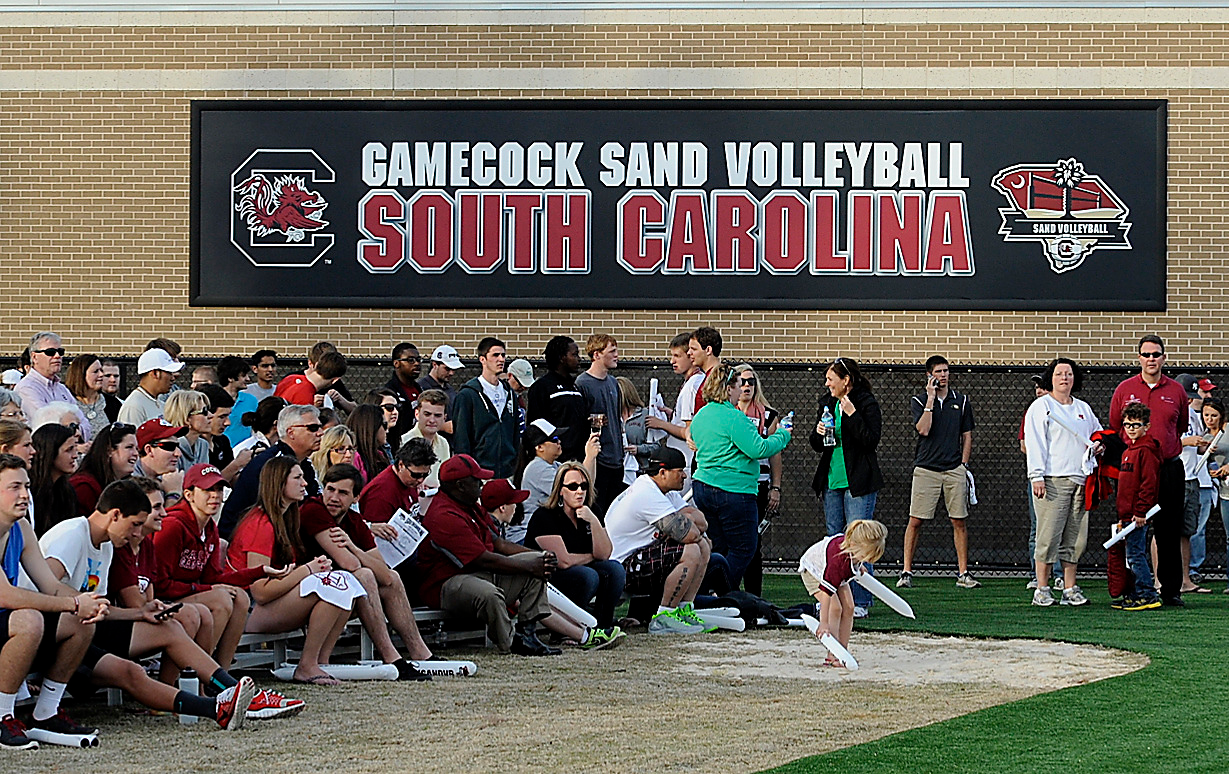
column 943, row 419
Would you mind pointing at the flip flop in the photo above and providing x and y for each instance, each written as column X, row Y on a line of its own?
column 318, row 680
column 1197, row 590
column 832, row 662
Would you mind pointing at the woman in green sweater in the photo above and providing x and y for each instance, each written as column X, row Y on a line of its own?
column 729, row 448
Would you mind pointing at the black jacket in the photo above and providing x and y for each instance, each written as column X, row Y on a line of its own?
column 859, row 439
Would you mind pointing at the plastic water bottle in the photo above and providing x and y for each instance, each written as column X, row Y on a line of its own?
column 829, row 423
column 787, row 421
column 188, row 683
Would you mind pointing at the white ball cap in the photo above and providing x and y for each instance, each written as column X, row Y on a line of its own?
column 448, row 356
column 158, row 360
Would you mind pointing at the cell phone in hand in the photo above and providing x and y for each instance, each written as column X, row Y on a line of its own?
column 167, row 612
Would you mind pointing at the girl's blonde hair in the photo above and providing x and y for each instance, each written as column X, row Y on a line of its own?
column 335, row 436
column 556, row 493
column 717, row 382
column 865, row 540
column 181, row 403
column 757, row 395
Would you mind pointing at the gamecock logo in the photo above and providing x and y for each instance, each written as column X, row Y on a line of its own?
column 1070, row 212
column 277, row 214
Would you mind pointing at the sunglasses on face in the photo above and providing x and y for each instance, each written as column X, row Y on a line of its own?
column 1151, row 355
column 10, row 414
column 748, row 382
column 555, row 439
column 582, row 486
column 418, row 476
column 314, row 427
column 1132, row 425
column 389, row 407
column 167, row 446
column 342, row 450
column 51, row 351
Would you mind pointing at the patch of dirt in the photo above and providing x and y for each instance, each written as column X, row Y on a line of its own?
column 719, row 703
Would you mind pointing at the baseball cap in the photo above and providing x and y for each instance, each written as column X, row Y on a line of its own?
column 203, row 476
column 1206, row 385
column 1188, row 383
column 665, row 458
column 499, row 492
column 1037, row 379
column 158, row 360
column 157, row 429
column 448, row 356
column 539, row 430
column 462, row 465
column 523, row 372
column 10, row 377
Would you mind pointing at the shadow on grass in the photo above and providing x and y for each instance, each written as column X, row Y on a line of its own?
column 1167, row 717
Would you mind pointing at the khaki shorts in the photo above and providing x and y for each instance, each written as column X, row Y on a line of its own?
column 929, row 485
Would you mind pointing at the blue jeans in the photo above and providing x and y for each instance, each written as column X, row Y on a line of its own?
column 1137, row 557
column 733, row 525
column 1199, row 541
column 840, row 508
column 599, row 582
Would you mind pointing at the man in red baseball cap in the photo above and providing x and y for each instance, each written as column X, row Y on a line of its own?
column 500, row 499
column 471, row 572
column 158, row 445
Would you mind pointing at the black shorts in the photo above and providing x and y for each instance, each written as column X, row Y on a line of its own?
column 44, row 657
column 648, row 567
column 113, row 637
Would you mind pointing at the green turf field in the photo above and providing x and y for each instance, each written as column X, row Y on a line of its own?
column 1171, row 716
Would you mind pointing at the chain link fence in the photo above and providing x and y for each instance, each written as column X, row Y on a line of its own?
column 998, row 525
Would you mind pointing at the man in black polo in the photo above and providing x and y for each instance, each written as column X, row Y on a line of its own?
column 555, row 397
column 943, row 419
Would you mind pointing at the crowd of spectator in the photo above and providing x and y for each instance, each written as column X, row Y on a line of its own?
column 197, row 510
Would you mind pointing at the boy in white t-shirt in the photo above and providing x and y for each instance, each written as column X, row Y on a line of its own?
column 684, row 407
column 79, row 552
column 660, row 541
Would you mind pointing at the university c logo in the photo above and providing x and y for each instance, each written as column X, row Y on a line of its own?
column 277, row 213
column 1071, row 213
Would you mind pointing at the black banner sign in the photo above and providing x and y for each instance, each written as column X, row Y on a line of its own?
column 695, row 204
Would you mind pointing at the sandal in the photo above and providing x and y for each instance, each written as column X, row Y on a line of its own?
column 1197, row 590
column 324, row 679
column 833, row 662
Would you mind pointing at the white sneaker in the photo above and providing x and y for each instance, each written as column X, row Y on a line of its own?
column 1073, row 597
column 1042, row 597
column 1057, row 583
column 1032, row 585
column 860, row 612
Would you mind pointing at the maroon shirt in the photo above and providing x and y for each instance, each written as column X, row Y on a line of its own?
column 127, row 569
column 384, row 494
column 457, row 535
column 314, row 518
column 1168, row 403
column 1138, row 478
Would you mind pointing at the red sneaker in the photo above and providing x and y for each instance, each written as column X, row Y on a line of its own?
column 232, row 700
column 268, row 704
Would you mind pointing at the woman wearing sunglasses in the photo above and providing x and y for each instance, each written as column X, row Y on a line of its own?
column 567, row 526
column 190, row 409
column 751, row 401
column 386, row 399
column 113, row 455
column 537, row 464
column 726, row 481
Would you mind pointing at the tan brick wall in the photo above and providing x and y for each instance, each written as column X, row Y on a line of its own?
column 94, row 183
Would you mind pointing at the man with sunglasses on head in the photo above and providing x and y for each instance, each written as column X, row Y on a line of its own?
column 42, row 385
column 396, row 487
column 1168, row 403
column 406, row 364
column 158, row 445
column 157, row 369
column 298, row 435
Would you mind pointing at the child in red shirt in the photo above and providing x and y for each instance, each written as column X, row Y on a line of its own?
column 1138, row 479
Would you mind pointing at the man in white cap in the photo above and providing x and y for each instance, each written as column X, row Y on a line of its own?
column 444, row 363
column 520, row 379
column 157, row 370
column 42, row 384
